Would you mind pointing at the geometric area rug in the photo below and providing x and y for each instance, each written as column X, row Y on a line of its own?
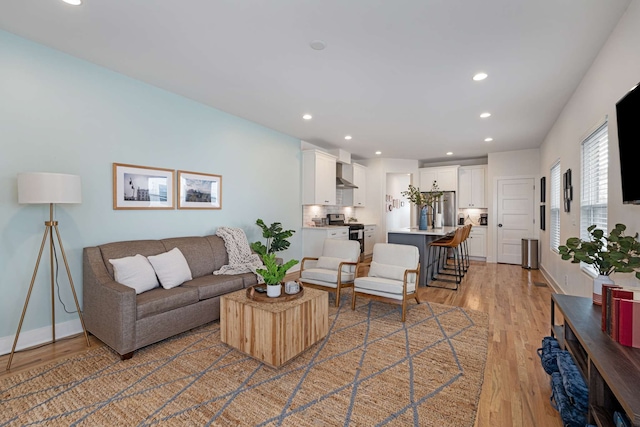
column 371, row 369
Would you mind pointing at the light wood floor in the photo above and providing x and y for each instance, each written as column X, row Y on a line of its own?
column 516, row 389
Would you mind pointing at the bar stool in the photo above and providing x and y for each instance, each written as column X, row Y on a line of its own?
column 464, row 251
column 465, row 247
column 440, row 247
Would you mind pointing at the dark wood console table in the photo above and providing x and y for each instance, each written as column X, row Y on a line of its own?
column 612, row 371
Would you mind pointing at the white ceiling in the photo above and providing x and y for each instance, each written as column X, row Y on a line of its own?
column 396, row 75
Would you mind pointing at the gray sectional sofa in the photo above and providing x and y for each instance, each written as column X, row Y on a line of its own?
column 126, row 321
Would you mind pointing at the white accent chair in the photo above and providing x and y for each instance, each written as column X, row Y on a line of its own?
column 335, row 269
column 392, row 277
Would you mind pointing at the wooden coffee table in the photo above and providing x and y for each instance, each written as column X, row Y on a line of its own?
column 274, row 332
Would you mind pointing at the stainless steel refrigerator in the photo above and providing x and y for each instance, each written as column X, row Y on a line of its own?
column 447, row 207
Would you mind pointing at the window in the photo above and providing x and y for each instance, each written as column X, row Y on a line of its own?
column 554, row 204
column 593, row 200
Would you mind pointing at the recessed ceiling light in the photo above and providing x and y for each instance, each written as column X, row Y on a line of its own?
column 317, row 45
column 488, row 139
column 480, row 76
column 378, row 153
column 485, row 115
column 347, row 137
column 73, row 2
column 307, row 117
column 449, row 153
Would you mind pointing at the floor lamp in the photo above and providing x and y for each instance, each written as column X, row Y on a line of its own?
column 51, row 188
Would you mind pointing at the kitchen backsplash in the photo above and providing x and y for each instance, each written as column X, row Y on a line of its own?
column 310, row 212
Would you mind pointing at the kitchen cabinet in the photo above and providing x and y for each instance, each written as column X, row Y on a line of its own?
column 313, row 238
column 360, row 180
column 477, row 242
column 318, row 178
column 369, row 239
column 471, row 184
column 445, row 176
column 357, row 174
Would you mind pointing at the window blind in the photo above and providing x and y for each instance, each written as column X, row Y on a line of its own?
column 593, row 200
column 554, row 206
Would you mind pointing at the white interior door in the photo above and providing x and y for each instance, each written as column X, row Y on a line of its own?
column 515, row 217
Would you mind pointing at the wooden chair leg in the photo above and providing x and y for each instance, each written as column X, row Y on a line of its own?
column 404, row 309
column 353, row 299
column 338, row 296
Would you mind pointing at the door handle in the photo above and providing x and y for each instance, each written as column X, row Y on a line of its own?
column 499, row 225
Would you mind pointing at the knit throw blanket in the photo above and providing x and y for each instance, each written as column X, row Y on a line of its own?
column 241, row 259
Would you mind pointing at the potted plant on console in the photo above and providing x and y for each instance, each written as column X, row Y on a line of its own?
column 607, row 254
column 273, row 273
column 424, row 201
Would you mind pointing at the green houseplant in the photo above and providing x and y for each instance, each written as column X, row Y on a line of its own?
column 607, row 254
column 276, row 239
column 273, row 273
column 423, row 200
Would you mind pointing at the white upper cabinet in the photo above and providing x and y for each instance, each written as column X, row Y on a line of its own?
column 318, row 178
column 445, row 176
column 472, row 187
column 360, row 180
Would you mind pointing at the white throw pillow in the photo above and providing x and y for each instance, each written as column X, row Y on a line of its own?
column 171, row 267
column 388, row 271
column 332, row 263
column 135, row 272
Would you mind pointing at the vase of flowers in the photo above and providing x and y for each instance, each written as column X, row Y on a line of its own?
column 424, row 201
column 607, row 254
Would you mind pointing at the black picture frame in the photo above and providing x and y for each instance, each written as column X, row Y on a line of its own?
column 543, row 189
column 542, row 217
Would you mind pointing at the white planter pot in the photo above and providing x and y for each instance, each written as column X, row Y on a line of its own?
column 273, row 291
column 597, row 288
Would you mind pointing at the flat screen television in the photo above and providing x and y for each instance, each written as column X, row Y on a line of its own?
column 628, row 114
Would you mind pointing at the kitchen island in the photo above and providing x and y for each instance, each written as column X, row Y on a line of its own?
column 421, row 239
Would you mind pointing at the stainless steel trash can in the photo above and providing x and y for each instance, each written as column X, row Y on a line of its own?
column 530, row 253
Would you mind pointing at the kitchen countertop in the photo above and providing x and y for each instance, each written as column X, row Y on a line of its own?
column 326, row 227
column 431, row 232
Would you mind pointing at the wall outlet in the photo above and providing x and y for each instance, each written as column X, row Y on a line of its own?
column 566, row 280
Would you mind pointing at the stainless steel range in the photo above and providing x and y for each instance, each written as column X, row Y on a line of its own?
column 356, row 231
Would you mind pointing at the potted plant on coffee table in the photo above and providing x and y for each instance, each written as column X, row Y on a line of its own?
column 607, row 254
column 273, row 273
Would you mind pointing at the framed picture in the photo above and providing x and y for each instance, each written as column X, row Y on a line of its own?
column 542, row 218
column 199, row 190
column 543, row 189
column 142, row 187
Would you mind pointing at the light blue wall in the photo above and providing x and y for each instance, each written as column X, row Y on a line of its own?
column 62, row 114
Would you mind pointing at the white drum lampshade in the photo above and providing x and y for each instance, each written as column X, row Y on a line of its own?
column 43, row 187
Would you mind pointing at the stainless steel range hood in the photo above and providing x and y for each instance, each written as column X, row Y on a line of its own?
column 340, row 181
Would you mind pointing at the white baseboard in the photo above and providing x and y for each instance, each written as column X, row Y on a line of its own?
column 39, row 336
column 554, row 285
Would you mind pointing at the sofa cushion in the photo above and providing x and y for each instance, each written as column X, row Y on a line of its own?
column 171, row 267
column 220, row 255
column 161, row 300
column 130, row 248
column 249, row 279
column 196, row 250
column 212, row 286
column 135, row 272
